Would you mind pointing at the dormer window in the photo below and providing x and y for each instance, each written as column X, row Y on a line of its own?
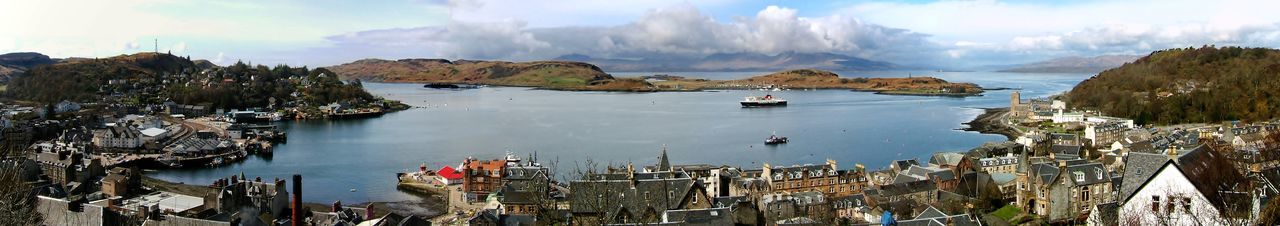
column 1079, row 176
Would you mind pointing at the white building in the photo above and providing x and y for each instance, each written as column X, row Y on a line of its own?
column 1181, row 188
column 1061, row 116
column 117, row 136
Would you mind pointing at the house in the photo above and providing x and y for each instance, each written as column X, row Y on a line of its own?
column 826, row 178
column 900, row 165
column 954, row 161
column 449, row 176
column 117, row 136
column 851, row 208
column 1064, row 191
column 634, row 197
column 781, row 206
column 1066, row 152
column 479, row 178
column 1196, row 186
column 121, row 181
column 1251, row 141
column 1005, row 164
column 66, row 106
column 1101, row 135
column 1064, row 139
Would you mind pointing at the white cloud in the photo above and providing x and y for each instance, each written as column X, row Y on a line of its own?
column 1028, row 31
column 677, row 31
column 179, row 48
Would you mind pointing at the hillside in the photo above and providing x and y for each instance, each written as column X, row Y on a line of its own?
column 739, row 62
column 544, row 74
column 12, row 64
column 1074, row 64
column 819, row 79
column 80, row 80
column 1190, row 85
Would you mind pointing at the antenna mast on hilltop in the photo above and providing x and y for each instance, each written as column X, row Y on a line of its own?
column 156, row 42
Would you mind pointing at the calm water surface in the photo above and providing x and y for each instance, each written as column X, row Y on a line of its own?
column 697, row 127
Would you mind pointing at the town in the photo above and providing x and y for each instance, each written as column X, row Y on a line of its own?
column 1063, row 166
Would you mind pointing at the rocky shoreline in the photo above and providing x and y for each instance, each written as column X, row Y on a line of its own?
column 990, row 122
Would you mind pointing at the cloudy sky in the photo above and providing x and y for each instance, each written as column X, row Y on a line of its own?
column 949, row 34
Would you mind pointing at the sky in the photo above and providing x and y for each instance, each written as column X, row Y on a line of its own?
column 943, row 34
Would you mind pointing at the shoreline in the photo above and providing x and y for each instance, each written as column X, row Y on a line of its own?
column 991, row 122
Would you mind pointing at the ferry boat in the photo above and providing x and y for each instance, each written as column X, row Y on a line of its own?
column 766, row 100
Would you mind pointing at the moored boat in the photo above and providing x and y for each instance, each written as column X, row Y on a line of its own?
column 775, row 139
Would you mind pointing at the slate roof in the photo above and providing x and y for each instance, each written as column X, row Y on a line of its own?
column 1045, row 172
column 946, row 158
column 710, row 216
column 1066, row 149
column 1208, row 170
column 1108, row 212
column 907, row 188
column 1094, row 173
column 904, row 164
column 589, row 196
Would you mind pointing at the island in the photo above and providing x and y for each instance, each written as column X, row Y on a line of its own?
column 578, row 76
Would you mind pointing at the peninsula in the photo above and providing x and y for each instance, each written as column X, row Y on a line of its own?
column 578, row 76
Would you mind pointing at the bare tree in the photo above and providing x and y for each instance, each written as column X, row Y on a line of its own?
column 17, row 200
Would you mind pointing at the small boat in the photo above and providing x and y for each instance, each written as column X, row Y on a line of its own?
column 766, row 100
column 775, row 139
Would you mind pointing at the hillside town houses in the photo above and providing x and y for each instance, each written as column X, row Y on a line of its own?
column 1064, row 167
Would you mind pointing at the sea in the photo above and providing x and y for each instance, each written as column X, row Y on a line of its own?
column 356, row 161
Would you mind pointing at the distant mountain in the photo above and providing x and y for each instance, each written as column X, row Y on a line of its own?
column 740, row 62
column 16, row 63
column 1074, row 64
column 560, row 75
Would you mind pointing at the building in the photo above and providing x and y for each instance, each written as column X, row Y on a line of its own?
column 634, row 197
column 1195, row 186
column 449, row 176
column 1006, row 164
column 479, row 178
column 117, row 136
column 121, row 181
column 826, row 178
column 1066, row 190
column 954, row 161
column 1104, row 134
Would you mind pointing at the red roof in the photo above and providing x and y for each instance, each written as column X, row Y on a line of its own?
column 449, row 173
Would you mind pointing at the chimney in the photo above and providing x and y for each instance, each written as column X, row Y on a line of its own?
column 368, row 211
column 1172, row 152
column 297, row 200
column 337, row 206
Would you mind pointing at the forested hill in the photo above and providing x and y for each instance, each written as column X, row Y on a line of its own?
column 1207, row 84
column 154, row 78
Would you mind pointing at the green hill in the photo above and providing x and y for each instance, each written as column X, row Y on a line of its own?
column 1190, row 85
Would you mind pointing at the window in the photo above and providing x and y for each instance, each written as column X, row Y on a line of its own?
column 1079, row 176
column 1155, row 203
column 695, row 198
column 646, row 196
column 1186, row 204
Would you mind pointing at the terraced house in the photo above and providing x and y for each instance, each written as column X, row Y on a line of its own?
column 825, row 178
column 1066, row 190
